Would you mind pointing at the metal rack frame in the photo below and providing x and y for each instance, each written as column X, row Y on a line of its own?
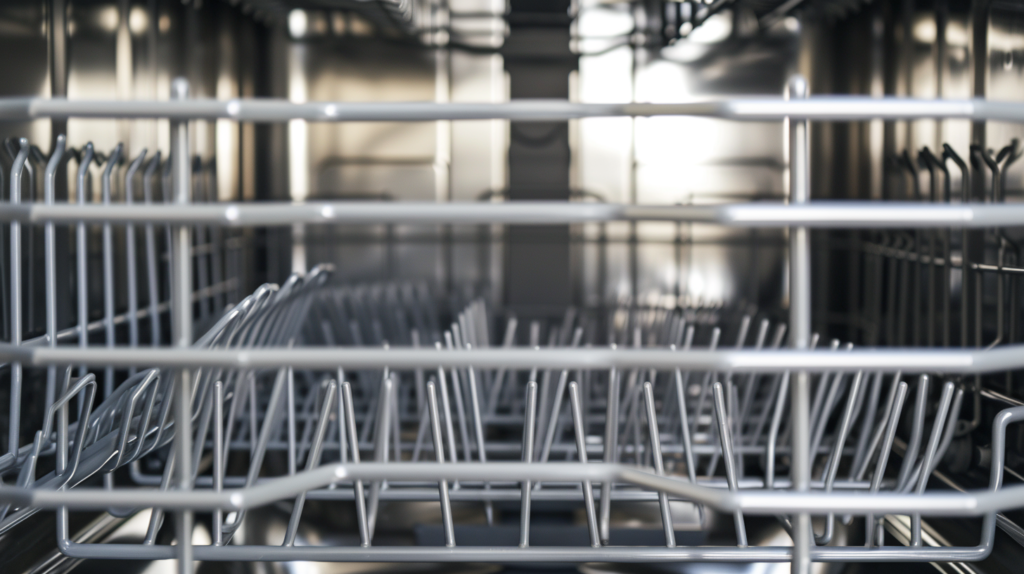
column 799, row 215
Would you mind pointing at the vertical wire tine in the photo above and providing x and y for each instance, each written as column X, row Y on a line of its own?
column 773, row 432
column 659, row 465
column 266, row 431
column 50, row 262
column 763, row 418
column 380, row 453
column 499, row 378
column 312, row 461
column 130, row 258
column 446, row 504
column 460, row 408
column 883, row 456
column 611, row 448
column 342, row 428
column 290, row 418
column 481, row 447
column 82, row 254
column 108, row 268
column 684, row 425
column 916, row 433
column 152, row 280
column 218, row 458
column 556, row 408
column 929, row 457
column 725, row 436
column 544, row 394
column 421, row 398
column 396, row 423
column 449, row 427
column 731, row 402
column 529, row 428
column 423, row 426
column 156, row 518
column 359, row 495
column 581, row 447
column 14, row 421
column 749, row 387
column 837, row 451
column 705, row 384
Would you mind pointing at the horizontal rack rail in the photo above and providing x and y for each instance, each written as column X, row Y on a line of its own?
column 766, row 108
column 819, row 214
column 909, row 360
column 968, row 503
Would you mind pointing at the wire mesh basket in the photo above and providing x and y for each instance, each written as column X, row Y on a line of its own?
column 355, row 397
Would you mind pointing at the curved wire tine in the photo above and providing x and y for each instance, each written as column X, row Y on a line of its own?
column 929, row 457
column 42, row 438
column 837, row 451
column 50, row 261
column 883, row 456
column 529, row 429
column 581, row 448
column 659, row 465
column 611, row 448
column 876, row 439
column 66, row 466
column 951, row 427
column 108, row 268
column 360, row 497
column 313, row 460
column 127, row 417
column 725, row 436
column 916, row 433
column 874, row 395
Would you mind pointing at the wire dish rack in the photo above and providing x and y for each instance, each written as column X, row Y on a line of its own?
column 358, row 395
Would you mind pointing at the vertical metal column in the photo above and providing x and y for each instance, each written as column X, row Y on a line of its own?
column 181, row 323
column 538, row 258
column 800, row 325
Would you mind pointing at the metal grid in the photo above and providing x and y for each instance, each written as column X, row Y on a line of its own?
column 329, row 403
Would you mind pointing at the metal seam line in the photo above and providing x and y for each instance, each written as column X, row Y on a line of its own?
column 763, row 108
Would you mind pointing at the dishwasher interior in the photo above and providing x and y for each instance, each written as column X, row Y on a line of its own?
column 710, row 286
